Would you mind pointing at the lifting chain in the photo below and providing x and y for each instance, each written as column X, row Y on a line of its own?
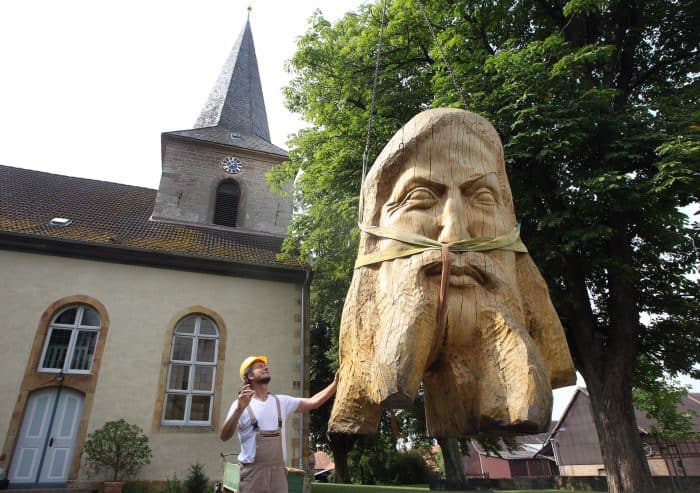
column 372, row 104
column 458, row 88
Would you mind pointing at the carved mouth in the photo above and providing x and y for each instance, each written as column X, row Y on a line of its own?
column 467, row 276
column 460, row 276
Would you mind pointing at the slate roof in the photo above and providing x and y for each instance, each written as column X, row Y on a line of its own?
column 114, row 219
column 586, row 428
column 526, row 446
column 235, row 112
column 690, row 402
column 222, row 135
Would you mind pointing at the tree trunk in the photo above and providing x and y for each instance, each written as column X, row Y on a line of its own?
column 454, row 466
column 341, row 444
column 605, row 354
column 625, row 465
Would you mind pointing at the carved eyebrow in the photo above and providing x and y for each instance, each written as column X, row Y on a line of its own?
column 420, row 178
column 419, row 181
column 489, row 179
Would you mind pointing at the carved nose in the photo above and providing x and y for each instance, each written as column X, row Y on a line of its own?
column 454, row 225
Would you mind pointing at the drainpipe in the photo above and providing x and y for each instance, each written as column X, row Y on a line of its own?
column 302, row 373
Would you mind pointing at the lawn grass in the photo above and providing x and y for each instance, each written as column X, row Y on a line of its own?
column 535, row 491
column 356, row 488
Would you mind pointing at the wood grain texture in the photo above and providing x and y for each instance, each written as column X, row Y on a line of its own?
column 490, row 364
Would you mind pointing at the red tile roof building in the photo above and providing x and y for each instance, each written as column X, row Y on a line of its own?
column 125, row 302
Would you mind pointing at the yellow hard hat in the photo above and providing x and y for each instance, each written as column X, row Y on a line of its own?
column 249, row 361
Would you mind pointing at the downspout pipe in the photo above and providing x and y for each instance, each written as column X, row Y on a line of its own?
column 302, row 373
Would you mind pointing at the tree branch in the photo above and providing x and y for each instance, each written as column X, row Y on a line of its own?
column 627, row 36
column 646, row 75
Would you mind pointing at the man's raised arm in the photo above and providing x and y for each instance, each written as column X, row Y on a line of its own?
column 307, row 404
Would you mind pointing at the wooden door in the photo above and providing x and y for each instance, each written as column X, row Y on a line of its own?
column 47, row 437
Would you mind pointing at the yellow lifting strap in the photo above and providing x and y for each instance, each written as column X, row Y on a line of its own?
column 416, row 243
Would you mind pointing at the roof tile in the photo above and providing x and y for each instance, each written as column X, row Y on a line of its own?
column 106, row 213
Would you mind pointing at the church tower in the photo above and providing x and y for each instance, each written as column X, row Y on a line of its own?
column 214, row 173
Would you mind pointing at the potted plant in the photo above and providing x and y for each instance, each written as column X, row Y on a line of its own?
column 120, row 448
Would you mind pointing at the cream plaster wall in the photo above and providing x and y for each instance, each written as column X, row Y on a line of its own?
column 261, row 317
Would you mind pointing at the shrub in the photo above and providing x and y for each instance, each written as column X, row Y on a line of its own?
column 407, row 468
column 117, row 446
column 172, row 485
column 133, row 488
column 196, row 481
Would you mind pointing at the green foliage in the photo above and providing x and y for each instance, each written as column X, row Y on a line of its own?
column 333, row 93
column 196, row 480
column 367, row 462
column 117, row 446
column 356, row 488
column 574, row 7
column 375, row 461
column 133, row 488
column 660, row 399
column 597, row 105
column 407, row 468
column 173, row 485
column 439, row 459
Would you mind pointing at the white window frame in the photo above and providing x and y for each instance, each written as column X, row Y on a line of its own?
column 192, row 363
column 75, row 329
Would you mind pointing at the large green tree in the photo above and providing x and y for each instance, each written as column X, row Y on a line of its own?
column 333, row 71
column 597, row 105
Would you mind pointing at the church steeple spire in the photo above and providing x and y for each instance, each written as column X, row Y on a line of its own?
column 214, row 173
column 236, row 103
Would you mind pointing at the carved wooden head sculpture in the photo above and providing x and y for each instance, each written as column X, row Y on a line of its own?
column 445, row 293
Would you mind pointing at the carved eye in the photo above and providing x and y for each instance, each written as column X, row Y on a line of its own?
column 485, row 196
column 419, row 197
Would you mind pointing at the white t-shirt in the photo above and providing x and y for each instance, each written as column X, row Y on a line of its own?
column 266, row 414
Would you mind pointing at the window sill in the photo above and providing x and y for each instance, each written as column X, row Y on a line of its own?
column 166, row 428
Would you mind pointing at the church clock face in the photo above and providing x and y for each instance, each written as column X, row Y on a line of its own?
column 232, row 165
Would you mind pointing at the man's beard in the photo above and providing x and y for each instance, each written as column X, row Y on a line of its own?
column 467, row 362
column 263, row 380
column 410, row 339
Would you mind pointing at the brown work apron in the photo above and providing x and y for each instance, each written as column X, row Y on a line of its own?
column 268, row 473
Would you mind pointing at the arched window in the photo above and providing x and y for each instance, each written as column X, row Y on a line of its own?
column 189, row 390
column 71, row 340
column 228, row 198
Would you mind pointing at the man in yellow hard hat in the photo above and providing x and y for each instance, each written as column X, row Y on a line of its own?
column 259, row 418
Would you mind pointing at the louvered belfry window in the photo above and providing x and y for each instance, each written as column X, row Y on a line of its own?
column 228, row 197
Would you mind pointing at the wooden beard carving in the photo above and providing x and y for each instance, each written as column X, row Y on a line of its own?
column 475, row 325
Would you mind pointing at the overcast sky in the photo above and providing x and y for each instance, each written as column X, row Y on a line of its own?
column 87, row 86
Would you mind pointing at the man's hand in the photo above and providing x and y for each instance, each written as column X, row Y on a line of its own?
column 231, row 423
column 244, row 397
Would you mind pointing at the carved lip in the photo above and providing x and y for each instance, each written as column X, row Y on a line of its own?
column 460, row 275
